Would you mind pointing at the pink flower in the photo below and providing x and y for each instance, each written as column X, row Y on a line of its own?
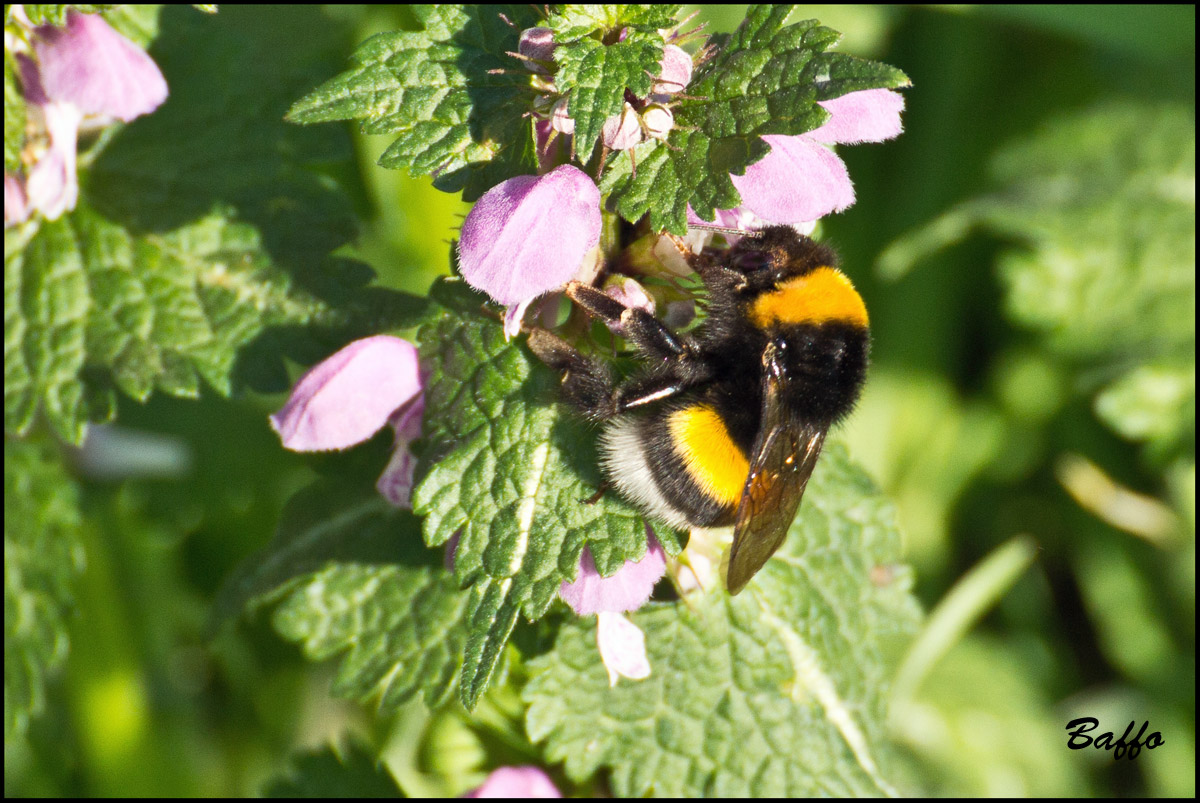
column 622, row 646
column 16, row 209
column 529, row 235
column 91, row 66
column 622, row 131
column 801, row 179
column 627, row 590
column 516, row 782
column 350, row 396
column 85, row 69
column 395, row 484
column 621, row 643
column 674, row 74
column 537, row 44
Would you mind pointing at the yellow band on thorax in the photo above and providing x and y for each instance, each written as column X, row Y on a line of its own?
column 821, row 296
column 712, row 459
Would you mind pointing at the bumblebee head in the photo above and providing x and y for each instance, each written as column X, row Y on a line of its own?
column 776, row 254
column 790, row 279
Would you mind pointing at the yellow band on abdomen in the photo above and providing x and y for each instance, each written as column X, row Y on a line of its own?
column 711, row 457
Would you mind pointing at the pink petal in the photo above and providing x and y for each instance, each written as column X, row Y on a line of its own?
column 657, row 121
column 529, row 234
column 627, row 590
column 622, row 131
column 516, row 782
column 53, row 186
column 89, row 64
column 513, row 317
column 622, row 647
column 871, row 115
column 629, row 292
column 15, row 208
column 396, row 482
column 674, row 71
column 560, row 120
column 798, row 181
column 537, row 43
column 347, row 398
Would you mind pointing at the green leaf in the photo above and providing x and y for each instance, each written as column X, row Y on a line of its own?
column 197, row 252
column 575, row 21
column 436, row 90
column 402, row 629
column 14, row 117
column 508, row 469
column 1155, row 403
column 1103, row 202
column 159, row 312
column 602, row 52
column 336, row 771
column 355, row 580
column 42, row 556
column 777, row 692
column 765, row 79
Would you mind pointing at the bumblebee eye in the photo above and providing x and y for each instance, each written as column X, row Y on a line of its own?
column 751, row 261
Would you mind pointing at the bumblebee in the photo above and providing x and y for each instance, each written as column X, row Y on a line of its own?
column 725, row 425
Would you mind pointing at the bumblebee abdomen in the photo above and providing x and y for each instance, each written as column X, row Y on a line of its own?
column 705, row 447
column 682, row 463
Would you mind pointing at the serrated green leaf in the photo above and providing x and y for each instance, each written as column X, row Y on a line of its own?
column 402, row 629
column 357, row 581
column 56, row 13
column 197, row 252
column 351, row 770
column 597, row 76
column 46, row 305
column 159, row 312
column 42, row 556
column 765, row 79
column 577, row 20
column 507, row 470
column 779, row 692
column 436, row 89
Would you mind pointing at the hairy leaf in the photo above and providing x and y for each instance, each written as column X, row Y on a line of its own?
column 764, row 79
column 450, row 93
column 42, row 556
column 507, row 471
column 779, row 692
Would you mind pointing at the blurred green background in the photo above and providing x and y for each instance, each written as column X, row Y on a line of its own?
column 1027, row 252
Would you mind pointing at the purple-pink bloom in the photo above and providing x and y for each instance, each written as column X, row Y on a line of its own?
column 348, row 397
column 395, row 484
column 99, row 71
column 15, row 208
column 516, row 782
column 52, row 186
column 627, row 590
column 801, row 179
column 622, row 646
column 528, row 235
column 537, row 43
column 624, row 130
column 674, row 73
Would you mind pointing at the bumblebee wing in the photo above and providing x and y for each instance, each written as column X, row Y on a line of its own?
column 785, row 453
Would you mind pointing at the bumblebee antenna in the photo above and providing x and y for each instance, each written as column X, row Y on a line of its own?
column 725, row 230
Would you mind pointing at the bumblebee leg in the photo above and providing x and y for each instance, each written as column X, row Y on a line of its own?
column 586, row 383
column 589, row 386
column 640, row 327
